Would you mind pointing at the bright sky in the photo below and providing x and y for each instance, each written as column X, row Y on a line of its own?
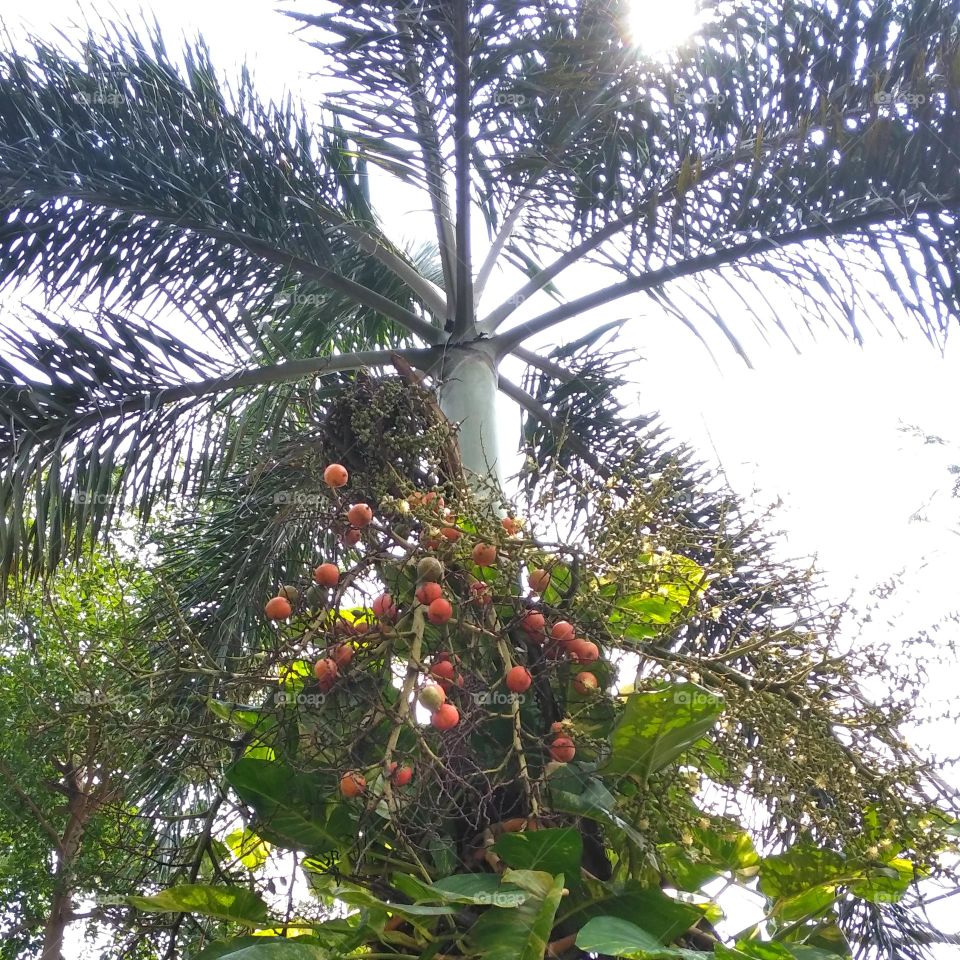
column 820, row 431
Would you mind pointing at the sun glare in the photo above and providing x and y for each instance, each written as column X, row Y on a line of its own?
column 657, row 27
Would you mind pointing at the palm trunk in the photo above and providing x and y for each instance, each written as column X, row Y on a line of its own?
column 468, row 398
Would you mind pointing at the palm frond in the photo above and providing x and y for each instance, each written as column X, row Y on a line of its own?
column 817, row 144
column 163, row 180
column 121, row 415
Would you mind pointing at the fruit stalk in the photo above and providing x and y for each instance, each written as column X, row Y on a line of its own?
column 403, row 708
column 507, row 659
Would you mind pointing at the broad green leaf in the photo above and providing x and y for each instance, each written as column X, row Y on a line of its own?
column 234, row 904
column 360, row 897
column 616, row 937
column 752, row 950
column 256, row 948
column 479, row 889
column 802, row 867
column 247, row 719
column 768, row 950
column 523, row 932
column 712, row 853
column 658, row 727
column 552, row 851
column 290, row 807
column 589, row 798
column 443, row 852
column 804, row 881
column 248, row 848
column 746, row 951
column 663, row 917
column 887, row 883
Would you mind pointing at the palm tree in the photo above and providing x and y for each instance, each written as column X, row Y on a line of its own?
column 813, row 148
column 814, row 145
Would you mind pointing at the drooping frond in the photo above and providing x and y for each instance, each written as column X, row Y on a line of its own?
column 164, row 181
column 120, row 414
column 809, row 142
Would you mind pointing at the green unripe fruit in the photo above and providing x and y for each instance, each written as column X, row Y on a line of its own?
column 429, row 570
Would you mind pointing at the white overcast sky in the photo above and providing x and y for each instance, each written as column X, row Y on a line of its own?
column 820, row 431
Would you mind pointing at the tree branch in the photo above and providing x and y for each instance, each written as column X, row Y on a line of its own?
column 377, row 246
column 429, row 144
column 542, row 363
column 500, row 241
column 44, row 823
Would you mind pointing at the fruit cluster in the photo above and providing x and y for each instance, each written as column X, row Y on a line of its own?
column 444, row 577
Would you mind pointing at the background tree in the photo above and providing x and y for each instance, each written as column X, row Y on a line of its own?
column 830, row 152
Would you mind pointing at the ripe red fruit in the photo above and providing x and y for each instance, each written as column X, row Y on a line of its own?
column 428, row 499
column 327, row 574
column 481, row 593
column 583, row 651
column 360, row 515
column 429, row 592
column 533, row 622
column 336, row 475
column 518, row 680
column 440, row 611
column 351, row 536
column 451, row 533
column 539, row 580
column 556, row 727
column 326, row 672
column 585, row 683
column 445, row 717
column 484, row 554
column 432, row 696
column 278, row 608
column 342, row 655
column 511, row 525
column 401, row 776
column 352, row 784
column 383, row 607
column 563, row 631
column 443, row 670
column 563, row 750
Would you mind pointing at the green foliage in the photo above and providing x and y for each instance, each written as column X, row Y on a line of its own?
column 231, row 905
column 211, row 751
column 656, row 728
